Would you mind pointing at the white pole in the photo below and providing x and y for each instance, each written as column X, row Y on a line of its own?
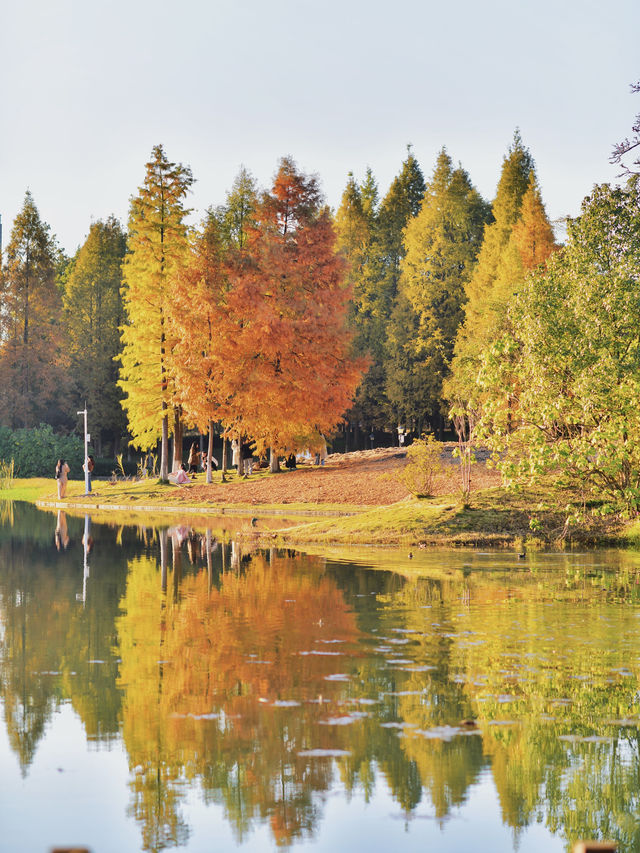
column 86, row 451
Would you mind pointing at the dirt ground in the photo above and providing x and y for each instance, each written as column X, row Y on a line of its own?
column 366, row 477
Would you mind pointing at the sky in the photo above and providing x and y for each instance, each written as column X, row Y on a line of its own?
column 89, row 88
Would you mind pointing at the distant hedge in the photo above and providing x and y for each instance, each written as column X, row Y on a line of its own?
column 36, row 451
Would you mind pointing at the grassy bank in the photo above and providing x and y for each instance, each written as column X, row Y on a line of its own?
column 140, row 495
column 496, row 516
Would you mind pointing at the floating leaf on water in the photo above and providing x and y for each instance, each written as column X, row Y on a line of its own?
column 625, row 721
column 177, row 716
column 347, row 720
column 322, row 652
column 445, row 733
column 418, row 668
column 585, row 739
column 323, row 753
column 405, row 693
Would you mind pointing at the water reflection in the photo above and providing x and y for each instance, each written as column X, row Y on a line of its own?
column 263, row 682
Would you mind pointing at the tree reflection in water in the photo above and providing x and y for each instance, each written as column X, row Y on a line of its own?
column 267, row 680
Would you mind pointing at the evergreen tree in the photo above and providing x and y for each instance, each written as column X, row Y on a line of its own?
column 93, row 310
column 156, row 250
column 441, row 244
column 485, row 302
column 33, row 377
column 237, row 215
column 376, row 284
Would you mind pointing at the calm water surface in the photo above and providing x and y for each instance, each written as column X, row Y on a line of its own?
column 162, row 690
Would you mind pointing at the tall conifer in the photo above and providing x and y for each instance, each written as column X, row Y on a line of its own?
column 375, row 285
column 32, row 355
column 93, row 310
column 441, row 244
column 485, row 290
column 156, row 249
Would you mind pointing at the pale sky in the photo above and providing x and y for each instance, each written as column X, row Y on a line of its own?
column 88, row 89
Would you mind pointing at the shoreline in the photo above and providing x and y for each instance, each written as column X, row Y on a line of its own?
column 536, row 518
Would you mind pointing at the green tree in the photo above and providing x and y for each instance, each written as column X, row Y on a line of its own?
column 375, row 279
column 33, row 377
column 440, row 244
column 571, row 357
column 486, row 302
column 93, row 310
column 237, row 215
column 156, row 249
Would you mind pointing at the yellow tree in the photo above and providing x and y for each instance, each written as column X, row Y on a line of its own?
column 197, row 300
column 478, row 326
column 156, row 249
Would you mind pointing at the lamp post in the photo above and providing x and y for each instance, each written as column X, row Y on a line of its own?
column 87, row 438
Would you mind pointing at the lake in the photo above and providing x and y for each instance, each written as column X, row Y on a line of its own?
column 166, row 689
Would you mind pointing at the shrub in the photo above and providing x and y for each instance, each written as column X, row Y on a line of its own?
column 424, row 463
column 35, row 451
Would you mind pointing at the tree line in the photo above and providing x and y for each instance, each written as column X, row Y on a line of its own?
column 282, row 321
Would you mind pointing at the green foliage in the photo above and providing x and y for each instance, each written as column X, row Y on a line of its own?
column 93, row 310
column 486, row 305
column 563, row 386
column 237, row 215
column 34, row 452
column 441, row 244
column 424, row 463
column 371, row 239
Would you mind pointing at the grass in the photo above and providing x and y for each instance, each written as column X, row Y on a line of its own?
column 29, row 490
column 141, row 494
column 496, row 516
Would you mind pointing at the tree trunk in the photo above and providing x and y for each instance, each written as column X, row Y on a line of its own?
column 209, row 454
column 224, row 455
column 178, row 429
column 164, row 452
column 164, row 540
column 207, row 539
column 274, row 461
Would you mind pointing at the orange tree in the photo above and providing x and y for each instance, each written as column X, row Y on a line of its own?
column 264, row 345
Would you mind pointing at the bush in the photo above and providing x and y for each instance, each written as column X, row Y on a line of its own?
column 424, row 463
column 36, row 451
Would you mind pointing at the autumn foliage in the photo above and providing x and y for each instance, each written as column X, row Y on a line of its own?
column 263, row 344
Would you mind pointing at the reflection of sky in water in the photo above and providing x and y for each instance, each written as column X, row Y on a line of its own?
column 452, row 700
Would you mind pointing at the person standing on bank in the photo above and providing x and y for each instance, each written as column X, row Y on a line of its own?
column 62, row 474
column 194, row 456
column 88, row 467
